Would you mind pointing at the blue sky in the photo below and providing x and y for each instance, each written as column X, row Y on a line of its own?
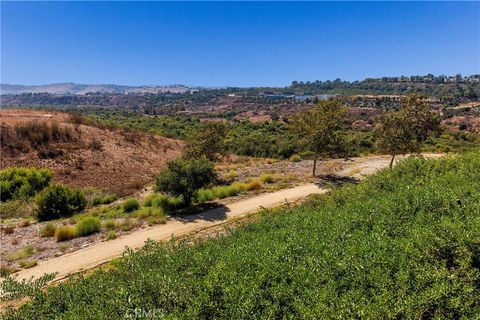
column 234, row 44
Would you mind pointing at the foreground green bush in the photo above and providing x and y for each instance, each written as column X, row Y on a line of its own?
column 184, row 178
column 59, row 201
column 404, row 244
column 130, row 205
column 88, row 226
column 23, row 182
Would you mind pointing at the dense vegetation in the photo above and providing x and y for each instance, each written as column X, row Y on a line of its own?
column 59, row 201
column 23, row 183
column 405, row 243
column 184, row 177
column 456, row 88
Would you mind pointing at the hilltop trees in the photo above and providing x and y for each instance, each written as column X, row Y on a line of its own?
column 404, row 131
column 322, row 128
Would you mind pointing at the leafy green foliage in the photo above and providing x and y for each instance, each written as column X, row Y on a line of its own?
column 130, row 205
column 404, row 131
column 404, row 244
column 13, row 289
column 208, row 141
column 322, row 128
column 23, row 182
column 59, row 201
column 185, row 177
column 262, row 139
column 104, row 199
column 88, row 226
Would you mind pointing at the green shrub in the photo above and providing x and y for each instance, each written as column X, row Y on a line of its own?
column 15, row 208
column 109, row 198
column 59, row 201
column 147, row 212
column 205, row 195
column 130, row 205
column 23, row 253
column 185, row 177
column 48, row 230
column 110, row 225
column 65, row 233
column 167, row 203
column 28, row 263
column 23, row 182
column 105, row 199
column 88, row 226
column 267, row 178
column 147, row 202
column 97, row 200
column 295, row 158
column 221, row 192
column 111, row 235
column 306, row 154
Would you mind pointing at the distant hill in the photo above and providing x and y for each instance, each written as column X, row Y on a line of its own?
column 82, row 89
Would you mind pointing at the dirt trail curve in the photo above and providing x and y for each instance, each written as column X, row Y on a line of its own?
column 99, row 253
column 102, row 252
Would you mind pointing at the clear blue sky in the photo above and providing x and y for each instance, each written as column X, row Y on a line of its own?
column 234, row 44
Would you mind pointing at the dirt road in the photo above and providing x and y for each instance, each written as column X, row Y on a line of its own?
column 102, row 252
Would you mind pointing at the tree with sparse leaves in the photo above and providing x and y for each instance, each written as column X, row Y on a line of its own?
column 322, row 128
column 208, row 141
column 404, row 131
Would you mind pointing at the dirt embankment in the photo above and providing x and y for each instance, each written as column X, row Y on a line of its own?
column 85, row 156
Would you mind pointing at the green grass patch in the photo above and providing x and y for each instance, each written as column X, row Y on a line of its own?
column 88, row 226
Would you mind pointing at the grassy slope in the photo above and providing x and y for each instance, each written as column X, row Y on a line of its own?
column 403, row 244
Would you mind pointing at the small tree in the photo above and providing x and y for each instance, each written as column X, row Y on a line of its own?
column 207, row 141
column 184, row 177
column 404, row 131
column 59, row 201
column 322, row 128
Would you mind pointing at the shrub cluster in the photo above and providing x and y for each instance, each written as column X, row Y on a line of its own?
column 184, row 177
column 59, row 201
column 130, row 205
column 236, row 188
column 104, row 199
column 23, row 182
column 167, row 203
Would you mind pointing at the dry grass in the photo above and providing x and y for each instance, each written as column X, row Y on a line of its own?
column 116, row 161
